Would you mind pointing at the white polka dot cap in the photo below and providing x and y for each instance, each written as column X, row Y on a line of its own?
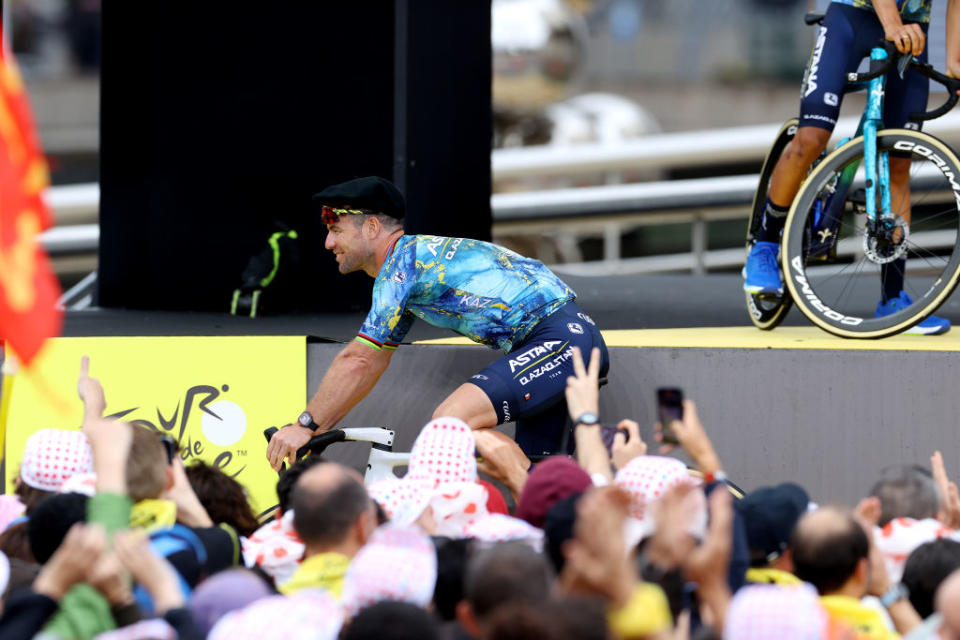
column 51, row 456
column 276, row 548
column 775, row 612
column 456, row 505
column 404, row 501
column 496, row 527
column 310, row 614
column 397, row 563
column 85, row 483
column 444, row 452
column 647, row 478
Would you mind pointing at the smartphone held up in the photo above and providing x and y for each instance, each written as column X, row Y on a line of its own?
column 669, row 408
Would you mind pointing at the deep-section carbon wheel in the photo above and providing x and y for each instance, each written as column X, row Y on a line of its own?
column 838, row 287
column 766, row 312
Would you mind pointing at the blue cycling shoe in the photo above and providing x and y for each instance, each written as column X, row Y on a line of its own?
column 762, row 273
column 932, row 326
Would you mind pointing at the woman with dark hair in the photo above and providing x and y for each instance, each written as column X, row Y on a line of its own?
column 223, row 497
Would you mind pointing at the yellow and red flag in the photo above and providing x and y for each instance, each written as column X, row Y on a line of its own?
column 28, row 288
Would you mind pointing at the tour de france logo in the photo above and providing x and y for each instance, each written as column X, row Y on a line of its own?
column 223, row 423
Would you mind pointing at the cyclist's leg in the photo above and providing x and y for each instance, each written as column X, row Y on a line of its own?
column 529, row 382
column 836, row 51
column 471, row 404
column 903, row 96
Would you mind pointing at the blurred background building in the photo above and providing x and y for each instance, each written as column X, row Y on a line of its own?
column 566, row 73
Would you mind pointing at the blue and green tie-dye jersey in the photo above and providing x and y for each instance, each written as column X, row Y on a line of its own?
column 910, row 10
column 485, row 292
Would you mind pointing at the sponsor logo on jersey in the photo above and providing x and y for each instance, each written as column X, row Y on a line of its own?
column 831, row 99
column 433, row 244
column 506, row 411
column 551, row 368
column 531, row 354
column 815, row 62
column 400, row 277
column 575, row 327
column 586, row 318
column 474, row 302
column 480, row 376
column 453, row 249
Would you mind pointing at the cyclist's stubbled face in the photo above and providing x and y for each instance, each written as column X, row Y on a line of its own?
column 346, row 240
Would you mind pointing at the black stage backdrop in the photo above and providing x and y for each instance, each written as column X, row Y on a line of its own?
column 220, row 119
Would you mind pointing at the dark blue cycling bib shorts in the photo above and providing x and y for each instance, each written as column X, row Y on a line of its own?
column 527, row 385
column 846, row 36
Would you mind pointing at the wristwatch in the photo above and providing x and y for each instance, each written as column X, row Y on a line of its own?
column 894, row 594
column 306, row 420
column 587, row 419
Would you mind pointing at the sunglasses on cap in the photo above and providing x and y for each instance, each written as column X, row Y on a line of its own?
column 329, row 214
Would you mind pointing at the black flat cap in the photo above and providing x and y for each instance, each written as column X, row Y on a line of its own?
column 371, row 192
column 770, row 514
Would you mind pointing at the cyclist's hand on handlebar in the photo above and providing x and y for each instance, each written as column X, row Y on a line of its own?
column 953, row 69
column 908, row 38
column 285, row 443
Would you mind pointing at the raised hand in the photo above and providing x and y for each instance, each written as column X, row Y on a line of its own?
column 190, row 511
column 949, row 513
column 693, row 438
column 626, row 449
column 596, row 557
column 109, row 577
column 90, row 391
column 80, row 550
column 155, row 574
column 708, row 563
column 583, row 388
column 502, row 459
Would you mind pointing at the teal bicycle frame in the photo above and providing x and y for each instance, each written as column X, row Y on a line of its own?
column 877, row 170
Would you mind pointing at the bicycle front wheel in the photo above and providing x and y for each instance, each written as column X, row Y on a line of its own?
column 766, row 311
column 833, row 263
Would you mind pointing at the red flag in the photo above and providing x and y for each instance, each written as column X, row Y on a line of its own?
column 28, row 288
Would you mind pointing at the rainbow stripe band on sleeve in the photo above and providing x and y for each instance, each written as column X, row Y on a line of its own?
column 376, row 344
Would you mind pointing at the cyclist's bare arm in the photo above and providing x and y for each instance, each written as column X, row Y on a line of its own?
column 351, row 376
column 908, row 38
column 953, row 38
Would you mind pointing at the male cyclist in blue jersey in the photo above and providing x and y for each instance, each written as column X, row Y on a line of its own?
column 485, row 292
column 850, row 29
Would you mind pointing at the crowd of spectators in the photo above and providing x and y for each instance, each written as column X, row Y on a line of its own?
column 108, row 535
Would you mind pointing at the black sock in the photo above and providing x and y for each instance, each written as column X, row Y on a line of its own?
column 773, row 219
column 891, row 278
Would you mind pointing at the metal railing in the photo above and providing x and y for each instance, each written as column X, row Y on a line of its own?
column 571, row 213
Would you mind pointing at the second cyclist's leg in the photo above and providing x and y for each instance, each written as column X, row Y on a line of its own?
column 762, row 273
column 903, row 96
column 833, row 54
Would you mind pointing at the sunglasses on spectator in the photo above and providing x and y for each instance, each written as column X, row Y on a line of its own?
column 330, row 215
column 170, row 446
